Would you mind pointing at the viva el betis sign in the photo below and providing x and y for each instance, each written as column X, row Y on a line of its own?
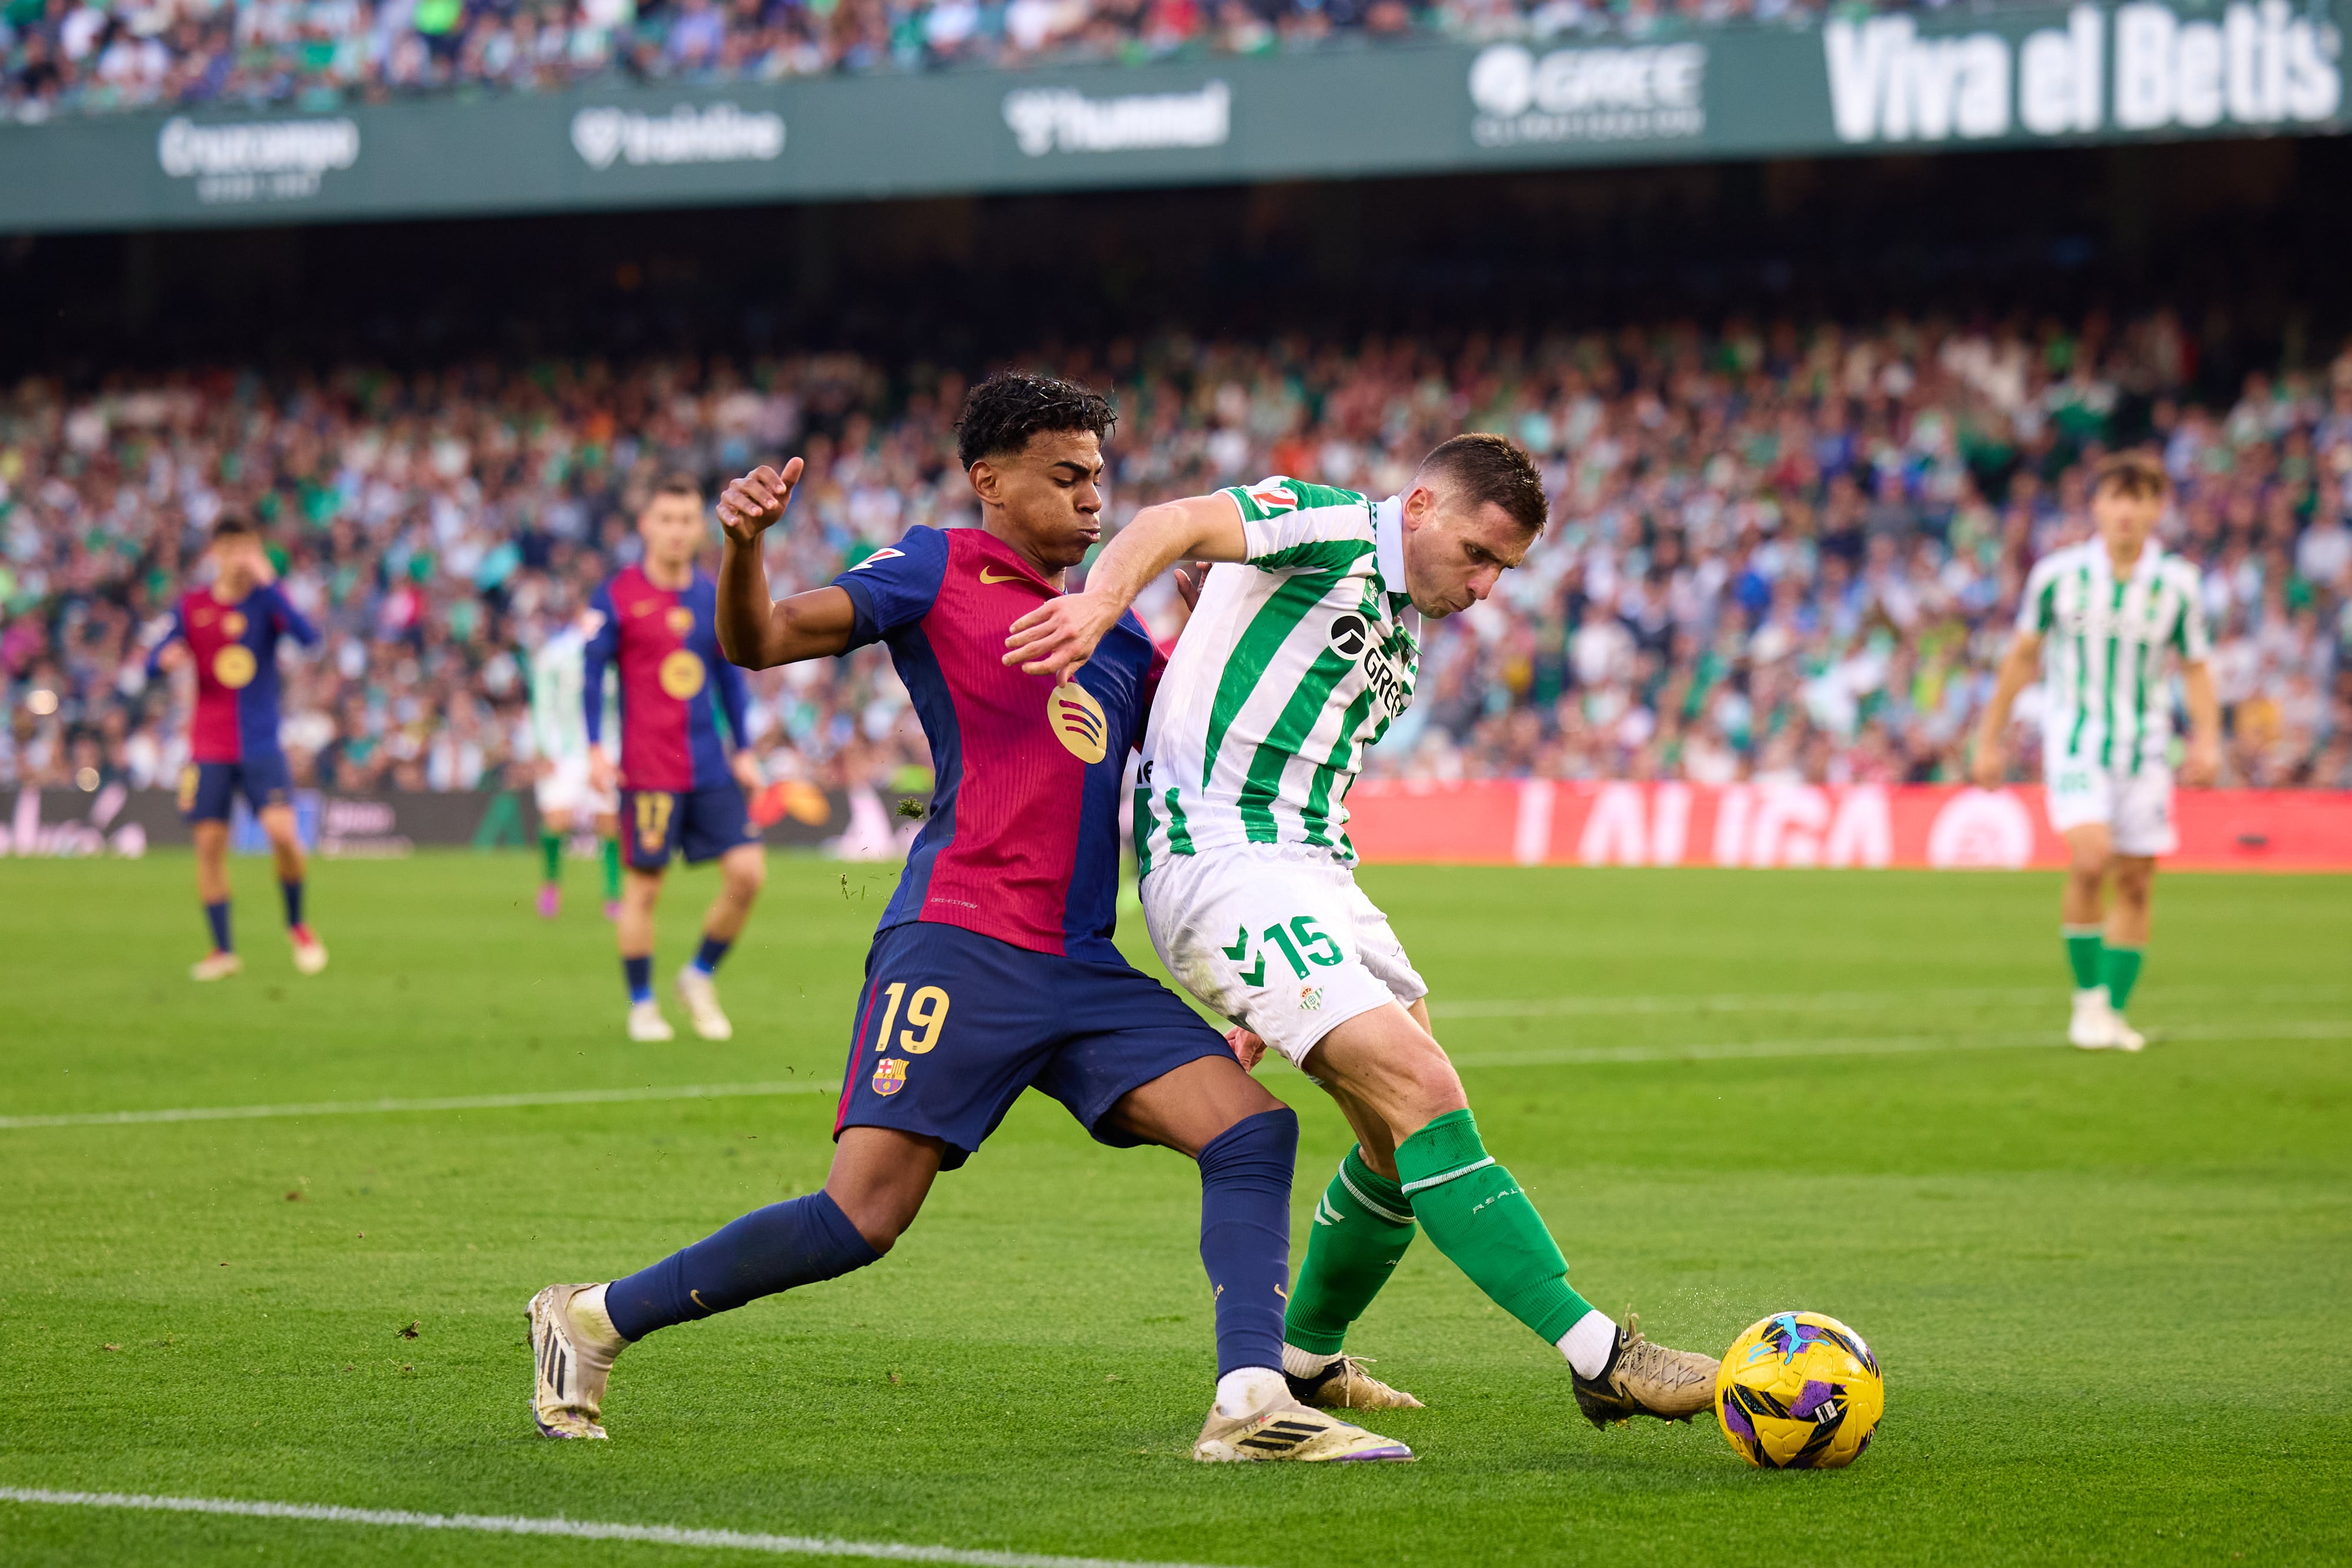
column 1538, row 822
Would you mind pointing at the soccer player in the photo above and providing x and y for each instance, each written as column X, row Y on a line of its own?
column 229, row 632
column 994, row 969
column 2109, row 611
column 1296, row 657
column 681, row 789
column 568, row 799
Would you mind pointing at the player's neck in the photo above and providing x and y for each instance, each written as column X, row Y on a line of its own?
column 673, row 576
column 224, row 594
column 992, row 523
column 2122, row 564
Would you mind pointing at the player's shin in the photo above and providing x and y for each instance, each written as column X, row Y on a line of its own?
column 1245, row 1246
column 1475, row 1213
column 797, row 1242
column 1362, row 1226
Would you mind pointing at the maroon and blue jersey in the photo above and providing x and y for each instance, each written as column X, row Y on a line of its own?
column 1022, row 842
column 675, row 682
column 235, row 655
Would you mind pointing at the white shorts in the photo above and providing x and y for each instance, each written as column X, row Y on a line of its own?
column 2136, row 807
column 566, row 789
column 1279, row 938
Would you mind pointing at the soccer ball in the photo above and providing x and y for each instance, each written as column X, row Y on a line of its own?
column 1798, row 1391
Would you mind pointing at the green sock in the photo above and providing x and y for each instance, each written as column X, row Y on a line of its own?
column 1361, row 1227
column 2123, row 974
column 2083, row 945
column 1478, row 1216
column 551, row 850
column 611, row 870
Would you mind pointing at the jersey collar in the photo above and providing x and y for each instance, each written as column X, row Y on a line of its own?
column 1388, row 543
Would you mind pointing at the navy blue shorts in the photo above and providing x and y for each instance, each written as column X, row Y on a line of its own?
column 701, row 824
column 207, row 788
column 952, row 1026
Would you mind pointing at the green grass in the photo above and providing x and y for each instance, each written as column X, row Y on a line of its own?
column 2109, row 1292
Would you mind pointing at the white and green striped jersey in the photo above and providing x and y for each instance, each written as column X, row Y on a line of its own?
column 559, row 725
column 2106, row 690
column 1291, row 664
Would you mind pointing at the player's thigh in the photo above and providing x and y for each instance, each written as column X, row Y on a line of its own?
column 649, row 828
column 266, row 782
column 208, row 790
column 2143, row 824
column 714, row 823
column 2077, row 794
column 1378, row 946
column 1268, row 939
column 1135, row 1066
column 949, row 1028
column 1385, row 1068
column 277, row 824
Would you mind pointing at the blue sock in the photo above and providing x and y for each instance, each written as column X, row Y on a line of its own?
column 639, row 973
column 1245, row 1234
column 216, row 916
column 293, row 891
column 797, row 1242
column 706, row 957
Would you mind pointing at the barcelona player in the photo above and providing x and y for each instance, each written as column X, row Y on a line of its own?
column 681, row 789
column 228, row 631
column 994, row 970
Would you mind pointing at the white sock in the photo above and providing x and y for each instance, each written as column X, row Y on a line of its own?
column 1246, row 1390
column 1586, row 1345
column 588, row 1313
column 1304, row 1364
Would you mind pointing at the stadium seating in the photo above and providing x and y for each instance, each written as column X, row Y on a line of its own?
column 1776, row 552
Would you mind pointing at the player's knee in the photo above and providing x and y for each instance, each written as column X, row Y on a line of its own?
column 747, row 873
column 1265, row 1140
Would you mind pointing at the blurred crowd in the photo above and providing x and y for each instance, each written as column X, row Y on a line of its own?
column 1779, row 551
column 318, row 54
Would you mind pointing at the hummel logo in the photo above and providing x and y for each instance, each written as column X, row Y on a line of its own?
column 1008, row 577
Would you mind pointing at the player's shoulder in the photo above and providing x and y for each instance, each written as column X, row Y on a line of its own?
column 2064, row 559
column 1277, row 493
column 2178, row 569
column 919, row 547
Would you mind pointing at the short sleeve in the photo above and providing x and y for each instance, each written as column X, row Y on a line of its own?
column 895, row 586
column 1290, row 525
column 2037, row 606
column 2189, row 635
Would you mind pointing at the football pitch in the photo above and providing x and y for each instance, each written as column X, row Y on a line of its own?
column 2108, row 1292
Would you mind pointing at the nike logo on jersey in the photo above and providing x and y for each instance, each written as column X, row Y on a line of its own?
column 1008, row 577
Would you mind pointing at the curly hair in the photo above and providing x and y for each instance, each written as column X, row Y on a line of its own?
column 1003, row 412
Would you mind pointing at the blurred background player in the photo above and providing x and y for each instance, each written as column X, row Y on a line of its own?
column 681, row 789
column 569, row 801
column 1295, row 660
column 229, row 630
column 2110, row 609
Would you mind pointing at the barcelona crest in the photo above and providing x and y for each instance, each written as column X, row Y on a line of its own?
column 890, row 1075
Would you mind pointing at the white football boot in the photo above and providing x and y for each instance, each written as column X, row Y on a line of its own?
column 2092, row 1027
column 310, row 953
column 573, row 1343
column 646, row 1025
column 2125, row 1037
column 701, row 999
column 215, row 966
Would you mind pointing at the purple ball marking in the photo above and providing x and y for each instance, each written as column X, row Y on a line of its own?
column 1736, row 1421
column 1816, row 1395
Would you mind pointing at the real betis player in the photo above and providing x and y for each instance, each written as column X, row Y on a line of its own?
column 2102, row 621
column 1299, row 656
column 568, row 797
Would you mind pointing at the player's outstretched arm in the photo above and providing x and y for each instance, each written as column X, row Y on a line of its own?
column 2017, row 669
column 756, row 631
column 1057, row 637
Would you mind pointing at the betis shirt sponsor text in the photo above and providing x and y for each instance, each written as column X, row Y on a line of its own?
column 2108, row 688
column 1291, row 664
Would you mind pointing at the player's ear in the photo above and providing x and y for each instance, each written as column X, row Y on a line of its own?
column 986, row 482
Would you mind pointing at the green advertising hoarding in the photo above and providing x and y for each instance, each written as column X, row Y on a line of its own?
column 2144, row 71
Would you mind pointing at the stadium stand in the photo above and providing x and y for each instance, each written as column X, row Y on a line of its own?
column 1777, row 552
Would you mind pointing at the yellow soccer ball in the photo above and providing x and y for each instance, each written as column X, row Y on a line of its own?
column 1798, row 1391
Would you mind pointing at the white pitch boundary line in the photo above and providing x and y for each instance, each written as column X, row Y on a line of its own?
column 570, row 1529
column 1886, row 1045
column 1825, row 1001
column 448, row 1102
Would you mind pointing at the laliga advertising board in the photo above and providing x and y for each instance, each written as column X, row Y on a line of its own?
column 1540, row 822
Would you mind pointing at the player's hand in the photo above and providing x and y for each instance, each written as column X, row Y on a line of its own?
column 265, row 570
column 1991, row 763
column 2202, row 765
column 174, row 655
column 1248, row 1048
column 746, row 768
column 601, row 771
column 1059, row 635
column 1191, row 575
column 748, row 506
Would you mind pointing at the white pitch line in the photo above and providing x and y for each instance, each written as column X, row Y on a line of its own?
column 1883, row 1045
column 1824, row 1001
column 571, row 1529
column 448, row 1103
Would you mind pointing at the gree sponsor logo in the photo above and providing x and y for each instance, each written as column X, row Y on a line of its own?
column 1061, row 120
column 2142, row 67
column 718, row 133
column 1646, row 93
column 256, row 161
